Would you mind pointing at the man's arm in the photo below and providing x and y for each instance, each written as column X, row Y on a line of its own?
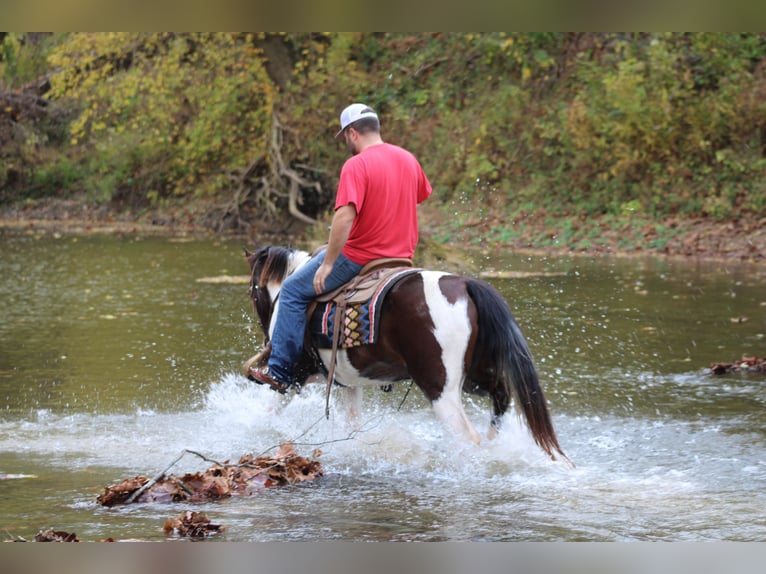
column 341, row 227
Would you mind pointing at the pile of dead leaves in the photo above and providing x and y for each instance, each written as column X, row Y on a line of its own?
column 222, row 480
column 192, row 525
column 49, row 535
column 744, row 365
column 55, row 536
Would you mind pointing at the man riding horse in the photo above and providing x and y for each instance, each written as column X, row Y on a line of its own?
column 375, row 218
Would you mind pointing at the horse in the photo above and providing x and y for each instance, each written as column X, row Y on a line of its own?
column 448, row 333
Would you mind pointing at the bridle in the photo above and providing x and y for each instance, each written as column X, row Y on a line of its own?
column 263, row 308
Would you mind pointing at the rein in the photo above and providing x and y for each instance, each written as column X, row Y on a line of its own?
column 264, row 316
column 404, row 398
column 340, row 310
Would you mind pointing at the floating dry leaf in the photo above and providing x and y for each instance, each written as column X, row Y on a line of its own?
column 51, row 535
column 193, row 525
column 744, row 365
column 121, row 492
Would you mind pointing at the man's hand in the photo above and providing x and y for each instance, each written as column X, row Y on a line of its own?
column 341, row 227
column 320, row 277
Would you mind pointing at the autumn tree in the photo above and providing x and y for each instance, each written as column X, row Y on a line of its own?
column 165, row 114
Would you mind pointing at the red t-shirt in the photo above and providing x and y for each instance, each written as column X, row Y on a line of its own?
column 385, row 183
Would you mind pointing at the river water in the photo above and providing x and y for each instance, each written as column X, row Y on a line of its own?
column 115, row 358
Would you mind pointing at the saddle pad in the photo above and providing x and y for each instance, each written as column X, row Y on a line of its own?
column 361, row 319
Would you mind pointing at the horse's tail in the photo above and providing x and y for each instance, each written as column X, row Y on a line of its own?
column 501, row 352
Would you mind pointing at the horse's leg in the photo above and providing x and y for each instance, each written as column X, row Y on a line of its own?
column 494, row 425
column 500, row 402
column 452, row 330
column 449, row 410
column 350, row 394
column 493, row 428
column 352, row 401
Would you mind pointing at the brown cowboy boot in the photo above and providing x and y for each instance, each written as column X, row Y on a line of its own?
column 262, row 376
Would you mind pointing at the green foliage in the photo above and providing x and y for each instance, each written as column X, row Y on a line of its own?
column 326, row 77
column 173, row 114
column 23, row 57
column 577, row 124
column 668, row 113
column 61, row 174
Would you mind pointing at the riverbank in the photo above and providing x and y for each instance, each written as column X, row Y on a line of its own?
column 741, row 239
column 737, row 240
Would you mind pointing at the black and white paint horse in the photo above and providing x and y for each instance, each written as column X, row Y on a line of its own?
column 447, row 333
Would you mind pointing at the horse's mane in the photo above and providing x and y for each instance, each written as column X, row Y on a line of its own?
column 273, row 263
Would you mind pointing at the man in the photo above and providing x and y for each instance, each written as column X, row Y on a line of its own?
column 375, row 217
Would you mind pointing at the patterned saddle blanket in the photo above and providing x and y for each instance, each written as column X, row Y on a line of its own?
column 359, row 323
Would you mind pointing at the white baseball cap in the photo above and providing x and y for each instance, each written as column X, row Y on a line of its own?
column 353, row 113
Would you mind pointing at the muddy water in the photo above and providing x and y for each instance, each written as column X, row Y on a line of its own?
column 114, row 358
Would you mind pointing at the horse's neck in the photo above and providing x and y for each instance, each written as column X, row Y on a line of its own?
column 297, row 260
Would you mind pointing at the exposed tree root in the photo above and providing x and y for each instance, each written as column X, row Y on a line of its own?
column 265, row 180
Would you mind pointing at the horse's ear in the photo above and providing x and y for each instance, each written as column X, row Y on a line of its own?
column 247, row 252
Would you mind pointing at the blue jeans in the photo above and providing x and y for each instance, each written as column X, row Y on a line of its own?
column 296, row 294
